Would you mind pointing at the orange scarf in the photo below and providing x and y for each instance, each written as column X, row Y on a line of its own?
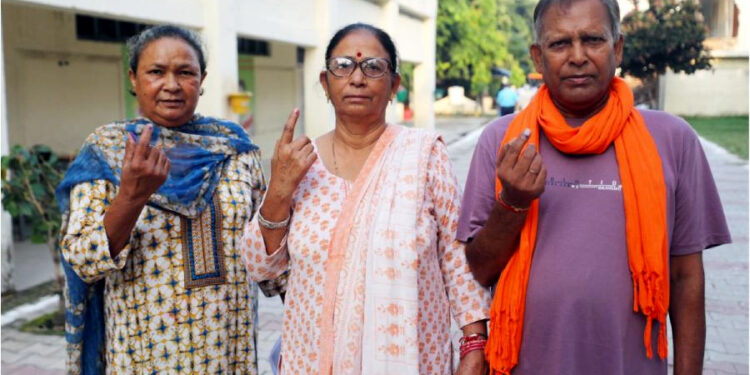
column 644, row 197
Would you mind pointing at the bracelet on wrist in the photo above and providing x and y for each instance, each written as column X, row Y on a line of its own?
column 265, row 223
column 508, row 206
column 471, row 338
column 469, row 347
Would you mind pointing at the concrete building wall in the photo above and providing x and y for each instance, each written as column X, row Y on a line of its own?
column 53, row 77
column 289, row 21
column 276, row 87
column 720, row 91
column 186, row 13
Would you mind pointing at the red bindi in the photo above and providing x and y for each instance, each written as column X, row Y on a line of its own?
column 359, row 54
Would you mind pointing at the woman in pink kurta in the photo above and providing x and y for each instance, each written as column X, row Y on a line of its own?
column 365, row 218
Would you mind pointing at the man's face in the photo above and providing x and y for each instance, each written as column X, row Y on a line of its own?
column 577, row 55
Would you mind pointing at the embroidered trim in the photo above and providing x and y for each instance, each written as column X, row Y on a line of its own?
column 202, row 250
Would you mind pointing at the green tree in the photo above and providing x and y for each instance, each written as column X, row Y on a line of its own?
column 515, row 20
column 669, row 34
column 471, row 40
column 29, row 179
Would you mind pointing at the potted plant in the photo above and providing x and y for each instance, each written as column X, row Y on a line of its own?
column 29, row 179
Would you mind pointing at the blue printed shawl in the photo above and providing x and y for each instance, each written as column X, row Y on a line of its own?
column 197, row 151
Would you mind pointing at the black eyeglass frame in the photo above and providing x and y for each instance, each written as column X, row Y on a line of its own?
column 359, row 64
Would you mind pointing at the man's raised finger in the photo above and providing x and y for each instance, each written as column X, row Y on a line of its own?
column 526, row 158
column 541, row 178
column 514, row 148
column 288, row 133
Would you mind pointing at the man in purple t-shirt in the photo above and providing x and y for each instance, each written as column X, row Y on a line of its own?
column 579, row 316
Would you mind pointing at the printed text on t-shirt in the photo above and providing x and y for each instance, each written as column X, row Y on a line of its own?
column 577, row 184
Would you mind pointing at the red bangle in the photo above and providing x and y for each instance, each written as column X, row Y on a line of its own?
column 472, row 342
column 471, row 338
column 472, row 346
column 508, row 206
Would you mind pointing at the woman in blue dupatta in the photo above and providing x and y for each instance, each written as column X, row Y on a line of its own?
column 153, row 213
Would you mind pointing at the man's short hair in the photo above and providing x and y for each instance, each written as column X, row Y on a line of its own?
column 613, row 11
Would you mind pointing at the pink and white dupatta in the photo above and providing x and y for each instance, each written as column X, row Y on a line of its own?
column 371, row 303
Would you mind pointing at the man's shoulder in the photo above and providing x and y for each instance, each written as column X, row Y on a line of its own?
column 494, row 131
column 666, row 127
column 664, row 120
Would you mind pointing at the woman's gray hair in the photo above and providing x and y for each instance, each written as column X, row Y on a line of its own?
column 613, row 11
column 137, row 43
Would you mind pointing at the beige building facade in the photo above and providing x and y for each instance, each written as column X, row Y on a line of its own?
column 723, row 89
column 58, row 86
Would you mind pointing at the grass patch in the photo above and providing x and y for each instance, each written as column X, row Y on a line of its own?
column 11, row 300
column 47, row 324
column 728, row 132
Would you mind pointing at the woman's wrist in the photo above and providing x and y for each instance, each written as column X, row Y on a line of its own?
column 127, row 196
column 273, row 225
column 275, row 208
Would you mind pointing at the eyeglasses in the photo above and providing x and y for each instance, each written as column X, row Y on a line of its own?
column 344, row 66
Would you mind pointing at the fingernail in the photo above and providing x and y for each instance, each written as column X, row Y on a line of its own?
column 296, row 111
column 532, row 147
column 149, row 126
column 526, row 132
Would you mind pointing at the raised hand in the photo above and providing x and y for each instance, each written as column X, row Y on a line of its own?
column 290, row 162
column 144, row 168
column 521, row 171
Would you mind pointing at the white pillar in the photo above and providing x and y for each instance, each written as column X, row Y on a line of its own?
column 318, row 115
column 424, row 79
column 220, row 38
column 388, row 19
column 744, row 8
column 6, row 260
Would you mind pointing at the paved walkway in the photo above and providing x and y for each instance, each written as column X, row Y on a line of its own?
column 727, row 271
column 726, row 279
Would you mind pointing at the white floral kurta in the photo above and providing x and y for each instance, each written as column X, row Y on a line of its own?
column 154, row 324
column 446, row 286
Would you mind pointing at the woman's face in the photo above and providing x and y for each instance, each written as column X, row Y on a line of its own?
column 168, row 81
column 357, row 94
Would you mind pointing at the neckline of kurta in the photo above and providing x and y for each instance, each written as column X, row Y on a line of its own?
column 347, row 183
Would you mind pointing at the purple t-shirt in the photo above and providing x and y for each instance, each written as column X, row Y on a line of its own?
column 579, row 304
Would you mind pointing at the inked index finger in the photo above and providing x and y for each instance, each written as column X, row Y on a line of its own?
column 513, row 149
column 288, row 133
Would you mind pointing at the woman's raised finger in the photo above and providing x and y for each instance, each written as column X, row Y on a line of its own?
column 129, row 148
column 300, row 143
column 307, row 149
column 163, row 163
column 142, row 147
column 288, row 133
